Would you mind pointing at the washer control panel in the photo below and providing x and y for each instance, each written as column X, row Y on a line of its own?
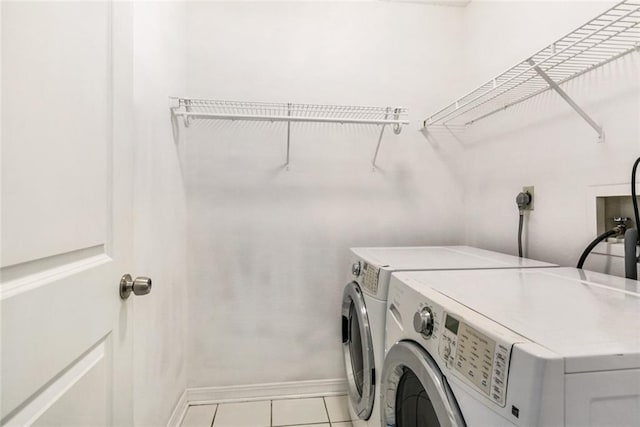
column 465, row 344
column 479, row 359
column 370, row 279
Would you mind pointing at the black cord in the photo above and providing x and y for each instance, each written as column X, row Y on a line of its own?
column 632, row 237
column 523, row 200
column 634, row 198
column 593, row 244
column 520, row 223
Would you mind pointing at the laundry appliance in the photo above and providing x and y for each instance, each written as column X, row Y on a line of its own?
column 534, row 347
column 364, row 307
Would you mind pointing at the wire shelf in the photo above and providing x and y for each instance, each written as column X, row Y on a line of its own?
column 209, row 109
column 287, row 112
column 607, row 37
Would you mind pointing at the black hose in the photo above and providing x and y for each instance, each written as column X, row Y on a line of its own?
column 634, row 198
column 593, row 244
column 630, row 261
column 631, row 236
column 520, row 234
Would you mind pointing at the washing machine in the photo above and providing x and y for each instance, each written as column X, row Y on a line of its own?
column 364, row 307
column 534, row 347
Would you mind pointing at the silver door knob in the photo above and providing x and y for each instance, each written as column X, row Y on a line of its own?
column 140, row 286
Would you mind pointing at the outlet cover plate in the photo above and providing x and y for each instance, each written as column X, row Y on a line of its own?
column 529, row 189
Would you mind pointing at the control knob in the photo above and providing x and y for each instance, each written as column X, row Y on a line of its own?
column 423, row 322
column 356, row 268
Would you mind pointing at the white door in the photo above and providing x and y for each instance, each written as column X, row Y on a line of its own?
column 66, row 216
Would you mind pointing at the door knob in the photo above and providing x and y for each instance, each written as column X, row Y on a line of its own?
column 140, row 286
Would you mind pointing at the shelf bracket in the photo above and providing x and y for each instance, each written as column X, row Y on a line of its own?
column 553, row 85
column 288, row 135
column 188, row 109
column 375, row 155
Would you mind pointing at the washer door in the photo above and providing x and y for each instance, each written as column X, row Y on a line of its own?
column 358, row 350
column 414, row 391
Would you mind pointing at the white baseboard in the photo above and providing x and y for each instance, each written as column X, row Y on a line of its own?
column 179, row 411
column 294, row 389
column 287, row 390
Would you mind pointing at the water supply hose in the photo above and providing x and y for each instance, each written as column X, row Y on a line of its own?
column 613, row 232
column 634, row 197
column 631, row 236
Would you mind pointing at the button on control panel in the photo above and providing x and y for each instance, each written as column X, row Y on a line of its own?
column 499, row 378
column 448, row 344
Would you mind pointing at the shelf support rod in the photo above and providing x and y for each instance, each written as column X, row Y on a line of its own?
column 375, row 155
column 288, row 134
column 187, row 107
column 568, row 99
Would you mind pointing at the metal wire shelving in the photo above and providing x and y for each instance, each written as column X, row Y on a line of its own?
column 209, row 109
column 609, row 36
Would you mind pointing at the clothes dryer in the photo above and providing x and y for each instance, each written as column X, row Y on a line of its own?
column 364, row 306
column 534, row 347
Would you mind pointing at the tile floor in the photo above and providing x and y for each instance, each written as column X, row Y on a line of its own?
column 327, row 411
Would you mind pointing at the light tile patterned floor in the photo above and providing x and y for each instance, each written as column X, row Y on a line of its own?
column 328, row 411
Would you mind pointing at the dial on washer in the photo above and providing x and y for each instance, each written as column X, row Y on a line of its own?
column 423, row 322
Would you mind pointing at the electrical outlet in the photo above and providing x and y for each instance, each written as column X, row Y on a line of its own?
column 529, row 189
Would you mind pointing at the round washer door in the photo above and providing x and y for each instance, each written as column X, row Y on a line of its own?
column 358, row 351
column 414, row 391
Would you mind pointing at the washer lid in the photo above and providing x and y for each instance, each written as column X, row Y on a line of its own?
column 441, row 258
column 588, row 318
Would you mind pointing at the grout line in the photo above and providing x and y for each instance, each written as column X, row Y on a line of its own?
column 271, row 413
column 326, row 409
column 214, row 415
column 315, row 423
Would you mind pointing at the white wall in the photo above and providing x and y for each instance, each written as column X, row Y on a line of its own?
column 160, row 212
column 268, row 247
column 543, row 142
